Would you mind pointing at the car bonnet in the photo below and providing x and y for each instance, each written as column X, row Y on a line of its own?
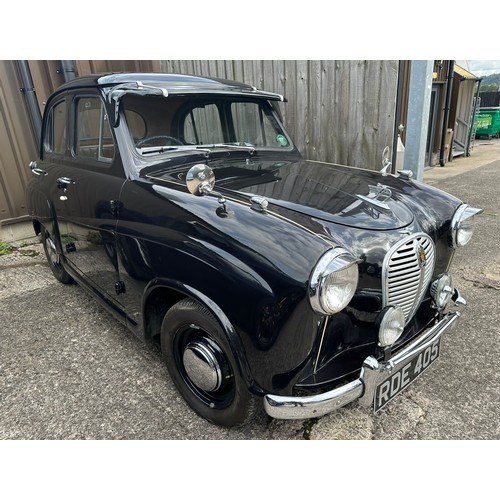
column 343, row 195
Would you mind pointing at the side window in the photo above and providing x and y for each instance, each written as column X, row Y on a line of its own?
column 56, row 129
column 136, row 124
column 203, row 126
column 93, row 137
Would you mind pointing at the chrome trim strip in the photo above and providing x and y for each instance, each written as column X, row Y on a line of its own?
column 325, row 324
column 363, row 388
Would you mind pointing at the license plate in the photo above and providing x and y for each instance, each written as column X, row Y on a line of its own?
column 401, row 379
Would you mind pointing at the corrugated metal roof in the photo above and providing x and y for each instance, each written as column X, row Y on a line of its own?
column 466, row 75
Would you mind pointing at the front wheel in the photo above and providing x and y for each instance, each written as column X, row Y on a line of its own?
column 201, row 364
column 53, row 258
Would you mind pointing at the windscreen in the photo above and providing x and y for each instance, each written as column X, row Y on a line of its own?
column 159, row 124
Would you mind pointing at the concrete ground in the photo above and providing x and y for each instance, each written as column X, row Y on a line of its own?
column 68, row 370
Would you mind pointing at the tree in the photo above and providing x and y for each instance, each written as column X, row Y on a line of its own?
column 490, row 83
column 492, row 87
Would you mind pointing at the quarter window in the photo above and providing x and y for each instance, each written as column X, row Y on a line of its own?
column 203, row 125
column 55, row 139
column 93, row 139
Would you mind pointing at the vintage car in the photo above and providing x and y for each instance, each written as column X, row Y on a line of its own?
column 182, row 204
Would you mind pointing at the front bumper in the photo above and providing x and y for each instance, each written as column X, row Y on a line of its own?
column 363, row 388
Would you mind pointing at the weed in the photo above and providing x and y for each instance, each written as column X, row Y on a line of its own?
column 94, row 237
column 68, row 238
column 5, row 248
column 308, row 426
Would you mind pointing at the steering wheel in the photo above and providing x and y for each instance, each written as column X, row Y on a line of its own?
column 171, row 141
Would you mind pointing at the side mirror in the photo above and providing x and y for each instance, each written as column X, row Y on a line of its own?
column 200, row 180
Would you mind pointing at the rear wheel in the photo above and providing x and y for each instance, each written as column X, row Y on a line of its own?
column 201, row 364
column 53, row 258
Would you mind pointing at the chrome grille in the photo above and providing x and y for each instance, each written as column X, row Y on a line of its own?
column 407, row 271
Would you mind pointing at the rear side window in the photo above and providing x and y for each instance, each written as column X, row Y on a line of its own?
column 203, row 126
column 56, row 129
column 93, row 137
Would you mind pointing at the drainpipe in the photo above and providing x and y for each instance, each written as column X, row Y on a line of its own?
column 68, row 70
column 28, row 91
column 449, row 87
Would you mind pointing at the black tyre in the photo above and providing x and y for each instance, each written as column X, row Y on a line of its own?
column 200, row 363
column 53, row 258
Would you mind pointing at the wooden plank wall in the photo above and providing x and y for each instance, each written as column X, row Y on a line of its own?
column 91, row 67
column 337, row 111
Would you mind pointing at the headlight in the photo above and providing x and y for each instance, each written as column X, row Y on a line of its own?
column 442, row 290
column 391, row 325
column 333, row 281
column 462, row 225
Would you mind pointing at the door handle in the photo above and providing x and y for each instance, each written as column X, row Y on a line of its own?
column 34, row 168
column 64, row 182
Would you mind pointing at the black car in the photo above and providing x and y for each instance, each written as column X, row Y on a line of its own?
column 183, row 206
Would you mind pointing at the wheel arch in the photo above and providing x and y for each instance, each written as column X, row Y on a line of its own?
column 44, row 215
column 161, row 295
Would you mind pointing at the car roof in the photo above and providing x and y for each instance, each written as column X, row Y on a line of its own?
column 172, row 83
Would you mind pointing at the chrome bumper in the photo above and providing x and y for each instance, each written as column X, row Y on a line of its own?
column 372, row 374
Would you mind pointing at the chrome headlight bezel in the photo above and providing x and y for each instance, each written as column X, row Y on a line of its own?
column 462, row 225
column 333, row 262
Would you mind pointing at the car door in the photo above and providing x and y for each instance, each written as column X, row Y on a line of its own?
column 45, row 197
column 88, row 188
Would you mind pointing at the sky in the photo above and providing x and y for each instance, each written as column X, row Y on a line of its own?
column 484, row 67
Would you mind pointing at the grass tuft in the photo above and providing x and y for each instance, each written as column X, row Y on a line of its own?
column 5, row 248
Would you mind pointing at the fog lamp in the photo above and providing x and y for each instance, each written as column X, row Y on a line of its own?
column 442, row 290
column 391, row 325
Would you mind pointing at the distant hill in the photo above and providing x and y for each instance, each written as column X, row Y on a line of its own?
column 491, row 82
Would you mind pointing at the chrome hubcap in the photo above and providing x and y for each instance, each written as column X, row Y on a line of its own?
column 202, row 366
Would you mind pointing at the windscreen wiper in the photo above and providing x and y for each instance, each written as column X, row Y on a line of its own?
column 239, row 147
column 205, row 148
column 161, row 149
